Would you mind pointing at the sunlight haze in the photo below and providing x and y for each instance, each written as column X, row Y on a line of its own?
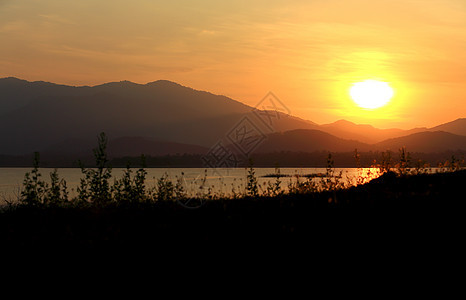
column 308, row 53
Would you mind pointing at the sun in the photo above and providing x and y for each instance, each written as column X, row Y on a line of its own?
column 371, row 94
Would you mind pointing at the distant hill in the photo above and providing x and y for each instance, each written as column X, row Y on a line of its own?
column 436, row 141
column 135, row 146
column 316, row 140
column 166, row 117
column 457, row 127
column 365, row 133
column 299, row 140
column 16, row 93
column 369, row 134
column 303, row 140
column 124, row 146
column 35, row 115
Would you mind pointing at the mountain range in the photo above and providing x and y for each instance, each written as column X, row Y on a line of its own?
column 163, row 117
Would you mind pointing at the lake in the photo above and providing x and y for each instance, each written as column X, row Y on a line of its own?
column 221, row 181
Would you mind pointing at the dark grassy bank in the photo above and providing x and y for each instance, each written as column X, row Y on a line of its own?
column 401, row 209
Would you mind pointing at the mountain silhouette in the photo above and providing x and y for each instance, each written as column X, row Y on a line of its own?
column 135, row 146
column 303, row 140
column 42, row 116
column 457, row 127
column 365, row 133
column 435, row 141
column 308, row 140
column 37, row 115
column 124, row 146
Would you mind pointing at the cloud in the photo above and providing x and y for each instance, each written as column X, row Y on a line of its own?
column 56, row 19
column 301, row 49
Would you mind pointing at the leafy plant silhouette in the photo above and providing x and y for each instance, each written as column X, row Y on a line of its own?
column 37, row 192
column 131, row 189
column 95, row 187
column 252, row 189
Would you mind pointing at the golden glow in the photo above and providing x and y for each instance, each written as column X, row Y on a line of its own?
column 307, row 52
column 371, row 94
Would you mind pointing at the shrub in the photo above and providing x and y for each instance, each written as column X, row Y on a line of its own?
column 274, row 189
column 165, row 188
column 252, row 189
column 37, row 192
column 131, row 189
column 95, row 187
column 34, row 189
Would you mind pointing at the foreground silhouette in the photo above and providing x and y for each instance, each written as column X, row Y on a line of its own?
column 404, row 204
column 411, row 208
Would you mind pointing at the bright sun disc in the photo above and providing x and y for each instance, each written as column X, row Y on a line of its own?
column 371, row 94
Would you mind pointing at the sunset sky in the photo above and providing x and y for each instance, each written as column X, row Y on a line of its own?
column 308, row 53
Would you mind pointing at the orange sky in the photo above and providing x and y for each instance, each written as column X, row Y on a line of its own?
column 307, row 52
